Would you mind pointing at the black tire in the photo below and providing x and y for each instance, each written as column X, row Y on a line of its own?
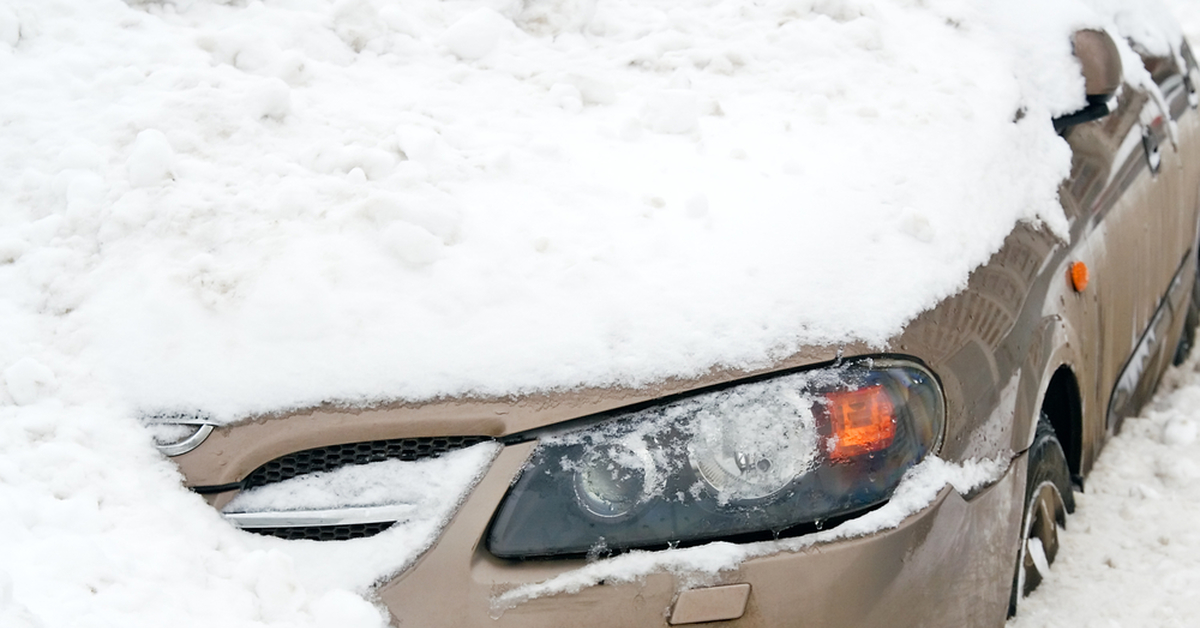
column 1048, row 501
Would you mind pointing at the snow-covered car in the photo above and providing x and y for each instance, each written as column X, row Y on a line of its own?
column 920, row 481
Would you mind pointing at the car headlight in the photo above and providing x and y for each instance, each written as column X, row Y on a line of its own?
column 765, row 456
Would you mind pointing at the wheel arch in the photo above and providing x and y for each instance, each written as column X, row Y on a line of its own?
column 1056, row 363
column 1063, row 405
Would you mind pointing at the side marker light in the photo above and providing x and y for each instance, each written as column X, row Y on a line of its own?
column 1079, row 276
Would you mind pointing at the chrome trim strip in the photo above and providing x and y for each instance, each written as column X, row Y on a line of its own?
column 1129, row 379
column 189, row 443
column 312, row 518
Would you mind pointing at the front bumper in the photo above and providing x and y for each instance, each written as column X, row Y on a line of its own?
column 950, row 564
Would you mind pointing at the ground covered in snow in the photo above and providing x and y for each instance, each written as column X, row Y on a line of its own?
column 232, row 207
column 1131, row 553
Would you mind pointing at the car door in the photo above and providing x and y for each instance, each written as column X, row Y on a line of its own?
column 1129, row 176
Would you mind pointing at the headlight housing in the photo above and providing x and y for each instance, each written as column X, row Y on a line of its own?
column 761, row 456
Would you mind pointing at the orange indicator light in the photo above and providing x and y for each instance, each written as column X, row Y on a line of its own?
column 1079, row 276
column 863, row 421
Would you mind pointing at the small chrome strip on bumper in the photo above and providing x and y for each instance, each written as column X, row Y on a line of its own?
column 189, row 443
column 313, row 518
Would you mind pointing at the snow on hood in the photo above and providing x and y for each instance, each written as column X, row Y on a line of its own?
column 240, row 207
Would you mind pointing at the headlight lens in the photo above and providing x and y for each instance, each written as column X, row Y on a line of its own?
column 751, row 442
column 614, row 479
column 761, row 456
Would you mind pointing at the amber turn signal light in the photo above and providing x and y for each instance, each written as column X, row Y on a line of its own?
column 862, row 421
column 1079, row 276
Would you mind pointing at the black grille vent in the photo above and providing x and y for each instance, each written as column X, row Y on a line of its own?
column 336, row 456
column 326, row 533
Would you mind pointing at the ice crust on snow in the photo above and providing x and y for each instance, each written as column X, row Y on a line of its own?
column 152, row 159
column 476, row 34
column 10, row 27
column 27, row 380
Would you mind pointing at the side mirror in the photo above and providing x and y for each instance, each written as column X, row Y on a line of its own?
column 1101, row 61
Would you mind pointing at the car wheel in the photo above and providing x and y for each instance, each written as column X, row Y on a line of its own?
column 1048, row 500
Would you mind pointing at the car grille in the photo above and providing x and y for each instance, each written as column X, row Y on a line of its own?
column 337, row 456
column 326, row 533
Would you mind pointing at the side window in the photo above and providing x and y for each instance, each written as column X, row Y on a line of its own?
column 1161, row 69
column 1174, row 82
column 1191, row 76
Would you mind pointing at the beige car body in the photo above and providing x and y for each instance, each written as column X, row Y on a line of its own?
column 1020, row 339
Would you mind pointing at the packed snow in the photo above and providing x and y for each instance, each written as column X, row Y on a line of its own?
column 238, row 207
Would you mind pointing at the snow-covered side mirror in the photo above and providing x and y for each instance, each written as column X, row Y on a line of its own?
column 1101, row 62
